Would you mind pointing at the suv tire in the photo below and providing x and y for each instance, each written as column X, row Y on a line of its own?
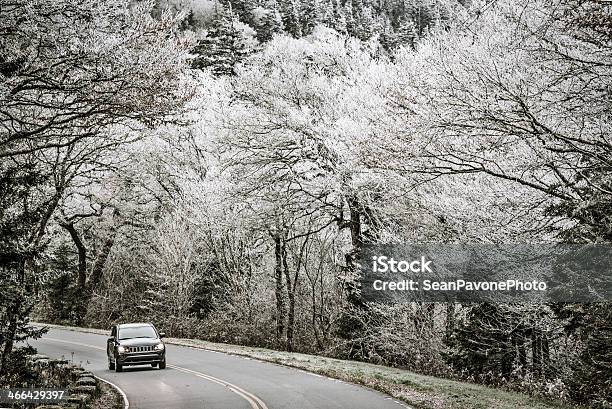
column 162, row 364
column 118, row 367
column 111, row 365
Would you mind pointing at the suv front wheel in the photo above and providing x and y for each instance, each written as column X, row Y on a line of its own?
column 162, row 364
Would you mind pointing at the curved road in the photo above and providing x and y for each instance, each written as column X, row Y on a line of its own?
column 202, row 379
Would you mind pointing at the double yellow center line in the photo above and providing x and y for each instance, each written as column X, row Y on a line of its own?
column 253, row 400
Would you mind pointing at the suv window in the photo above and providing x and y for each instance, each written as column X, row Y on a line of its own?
column 137, row 332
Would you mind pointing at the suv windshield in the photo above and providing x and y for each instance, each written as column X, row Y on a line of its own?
column 137, row 332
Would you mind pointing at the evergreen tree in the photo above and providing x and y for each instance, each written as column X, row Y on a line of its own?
column 363, row 21
column 387, row 36
column 414, row 11
column 591, row 378
column 271, row 23
column 349, row 17
column 290, row 17
column 491, row 343
column 327, row 14
column 223, row 45
column 367, row 24
column 66, row 301
column 311, row 15
column 242, row 9
column 406, row 33
column 20, row 215
column 339, row 17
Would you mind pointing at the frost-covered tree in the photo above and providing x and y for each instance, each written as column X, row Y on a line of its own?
column 270, row 23
column 243, row 9
column 525, row 104
column 339, row 17
column 363, row 20
column 299, row 128
column 290, row 14
column 69, row 81
column 223, row 46
column 70, row 91
column 521, row 95
column 312, row 14
column 406, row 33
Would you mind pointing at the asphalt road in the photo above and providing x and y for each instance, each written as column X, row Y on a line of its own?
column 201, row 379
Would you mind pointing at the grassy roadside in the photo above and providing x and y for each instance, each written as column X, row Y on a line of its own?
column 109, row 398
column 418, row 391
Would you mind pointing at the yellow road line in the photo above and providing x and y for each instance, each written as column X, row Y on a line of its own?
column 228, row 385
column 253, row 400
column 212, row 378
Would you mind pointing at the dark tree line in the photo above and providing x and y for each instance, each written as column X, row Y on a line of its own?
column 391, row 24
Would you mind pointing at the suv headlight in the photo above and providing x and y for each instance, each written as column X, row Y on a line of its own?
column 121, row 349
column 160, row 346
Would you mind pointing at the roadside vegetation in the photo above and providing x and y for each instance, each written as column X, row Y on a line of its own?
column 109, row 398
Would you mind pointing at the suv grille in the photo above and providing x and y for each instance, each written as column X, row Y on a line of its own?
column 140, row 349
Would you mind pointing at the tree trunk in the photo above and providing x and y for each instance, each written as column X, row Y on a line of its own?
column 98, row 267
column 11, row 332
column 357, row 243
column 519, row 341
column 40, row 232
column 81, row 251
column 290, row 297
column 430, row 312
column 536, row 351
column 450, row 319
column 355, row 227
column 12, row 318
column 545, row 354
column 315, row 328
column 280, row 297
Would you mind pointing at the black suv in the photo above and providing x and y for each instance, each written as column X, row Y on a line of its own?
column 135, row 344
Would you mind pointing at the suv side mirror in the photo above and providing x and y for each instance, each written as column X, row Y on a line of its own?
column 162, row 334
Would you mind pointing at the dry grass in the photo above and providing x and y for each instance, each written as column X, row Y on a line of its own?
column 109, row 398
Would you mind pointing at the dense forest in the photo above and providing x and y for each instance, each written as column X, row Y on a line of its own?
column 216, row 167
